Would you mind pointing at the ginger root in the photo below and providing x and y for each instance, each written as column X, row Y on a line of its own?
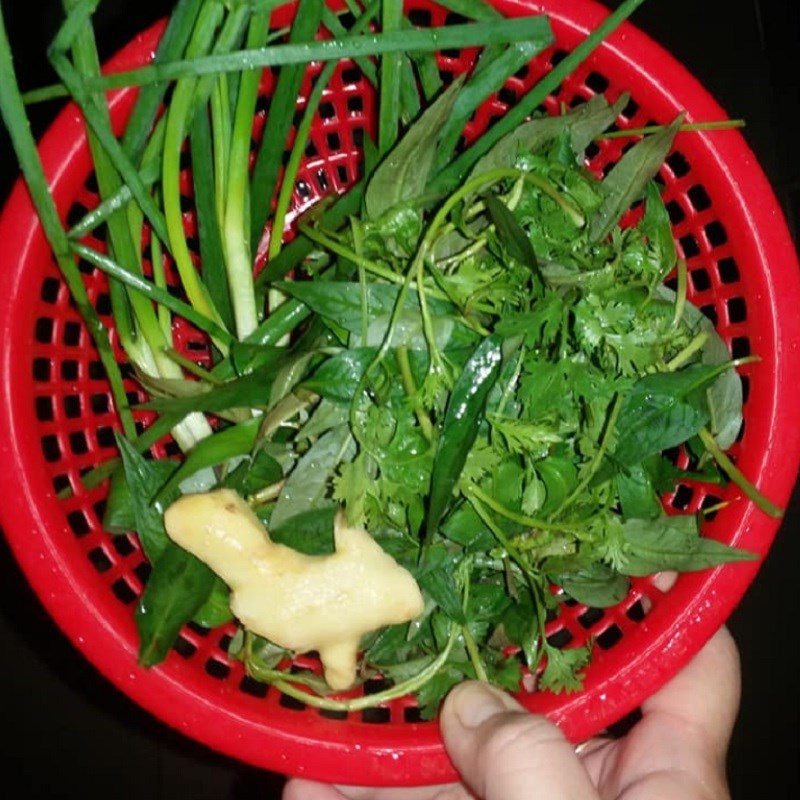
column 300, row 602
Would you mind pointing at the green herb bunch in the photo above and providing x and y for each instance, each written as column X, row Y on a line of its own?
column 473, row 358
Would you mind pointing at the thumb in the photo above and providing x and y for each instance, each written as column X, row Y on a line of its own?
column 503, row 752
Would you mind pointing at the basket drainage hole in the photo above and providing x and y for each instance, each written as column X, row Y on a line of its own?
column 590, row 617
column 596, row 82
column 689, row 246
column 675, row 212
column 44, row 409
column 683, row 497
column 78, row 443
column 201, row 630
column 217, row 669
column 123, row 545
column 740, row 346
column 78, row 522
column 72, row 406
column 331, row 713
column 560, row 638
column 709, row 501
column 412, row 714
column 636, row 612
column 375, row 685
column 123, row 591
column 100, row 403
column 183, row 647
column 700, row 280
column 142, row 571
column 716, row 234
column 253, row 687
column 100, row 561
column 41, row 369
column 50, row 448
column 609, row 637
column 737, row 309
column 699, row 198
column 745, row 388
column 43, row 330
column 72, row 334
column 69, row 370
column 290, row 702
column 728, row 271
column 678, row 164
column 377, row 715
column 49, row 292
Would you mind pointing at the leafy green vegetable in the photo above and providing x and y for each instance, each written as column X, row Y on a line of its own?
column 144, row 478
column 306, row 487
column 629, row 178
column 465, row 410
column 176, row 590
column 404, row 173
column 673, row 543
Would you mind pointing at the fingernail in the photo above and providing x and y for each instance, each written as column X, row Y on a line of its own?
column 473, row 703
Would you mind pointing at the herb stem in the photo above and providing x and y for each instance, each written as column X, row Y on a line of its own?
column 716, row 125
column 605, row 441
column 736, row 475
column 425, row 424
column 267, row 494
column 522, row 519
column 680, row 292
column 684, row 355
column 280, row 681
column 474, row 654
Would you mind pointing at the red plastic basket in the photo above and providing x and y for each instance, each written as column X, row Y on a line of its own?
column 57, row 420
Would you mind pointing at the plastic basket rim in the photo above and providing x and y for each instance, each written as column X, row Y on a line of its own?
column 409, row 754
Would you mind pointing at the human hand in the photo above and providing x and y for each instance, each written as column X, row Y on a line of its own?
column 502, row 752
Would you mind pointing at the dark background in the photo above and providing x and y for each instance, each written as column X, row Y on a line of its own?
column 70, row 733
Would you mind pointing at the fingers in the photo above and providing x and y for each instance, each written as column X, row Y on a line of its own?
column 505, row 753
column 705, row 695
column 677, row 750
column 298, row 789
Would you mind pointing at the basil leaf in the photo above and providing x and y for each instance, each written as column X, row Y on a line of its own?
column 216, row 610
column 656, row 227
column 725, row 396
column 254, row 474
column 340, row 301
column 403, row 174
column 637, row 497
column 213, row 450
column 629, row 177
column 492, row 71
column 309, row 532
column 663, row 410
column 144, row 478
column 465, row 411
column 177, row 588
column 511, row 234
column 337, row 378
column 118, row 516
column 306, row 487
column 591, row 119
column 595, row 585
column 245, row 392
column 673, row 543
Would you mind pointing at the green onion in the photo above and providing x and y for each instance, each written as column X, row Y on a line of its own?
column 13, row 113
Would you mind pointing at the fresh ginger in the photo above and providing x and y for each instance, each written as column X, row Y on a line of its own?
column 300, row 602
